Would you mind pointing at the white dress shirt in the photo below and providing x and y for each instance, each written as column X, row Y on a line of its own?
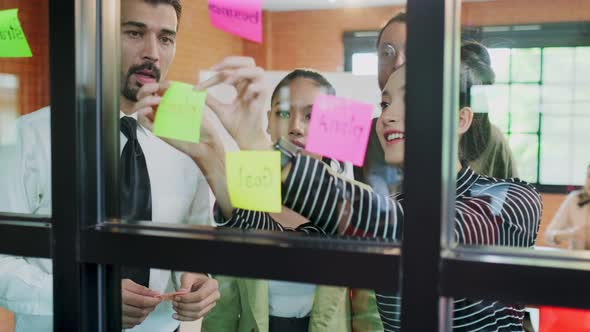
column 180, row 194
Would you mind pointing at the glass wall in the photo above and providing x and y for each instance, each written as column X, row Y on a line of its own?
column 26, row 286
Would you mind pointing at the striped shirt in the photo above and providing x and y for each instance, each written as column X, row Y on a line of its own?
column 489, row 211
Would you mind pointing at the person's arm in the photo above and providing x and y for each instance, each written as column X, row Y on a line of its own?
column 504, row 212
column 338, row 205
column 560, row 227
column 25, row 287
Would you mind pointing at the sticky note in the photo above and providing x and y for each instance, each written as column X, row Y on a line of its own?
column 254, row 180
column 339, row 129
column 13, row 43
column 239, row 17
column 179, row 113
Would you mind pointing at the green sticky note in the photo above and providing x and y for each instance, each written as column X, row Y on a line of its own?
column 13, row 43
column 179, row 113
column 254, row 180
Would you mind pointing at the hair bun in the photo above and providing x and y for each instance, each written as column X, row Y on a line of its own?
column 477, row 58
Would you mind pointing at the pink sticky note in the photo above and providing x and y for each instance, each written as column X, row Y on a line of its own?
column 239, row 17
column 339, row 128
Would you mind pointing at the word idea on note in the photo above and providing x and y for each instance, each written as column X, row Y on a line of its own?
column 242, row 18
column 13, row 43
column 254, row 180
column 179, row 113
column 339, row 129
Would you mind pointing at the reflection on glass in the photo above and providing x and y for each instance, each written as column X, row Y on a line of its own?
column 524, row 98
column 24, row 142
column 525, row 148
column 526, row 65
column 558, row 65
column 264, row 305
column 26, row 284
column 501, row 64
column 364, row 64
column 570, row 227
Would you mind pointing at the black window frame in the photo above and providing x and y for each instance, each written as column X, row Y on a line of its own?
column 87, row 245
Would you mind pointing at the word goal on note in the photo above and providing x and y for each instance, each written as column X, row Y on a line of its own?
column 254, row 180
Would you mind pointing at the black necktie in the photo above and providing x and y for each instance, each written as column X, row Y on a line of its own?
column 136, row 195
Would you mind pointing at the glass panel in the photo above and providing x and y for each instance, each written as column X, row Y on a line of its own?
column 526, row 65
column 527, row 122
column 557, row 93
column 501, row 63
column 558, row 65
column 580, row 151
column 25, row 183
column 525, row 149
column 494, row 100
column 582, row 92
column 582, row 72
column 333, row 308
column 26, row 295
column 524, row 98
column 184, row 190
column 364, row 64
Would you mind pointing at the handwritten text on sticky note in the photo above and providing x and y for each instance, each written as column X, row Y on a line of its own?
column 254, row 180
column 179, row 113
column 339, row 128
column 13, row 43
column 239, row 17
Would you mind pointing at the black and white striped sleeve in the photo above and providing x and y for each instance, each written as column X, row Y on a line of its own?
column 499, row 212
column 255, row 220
column 338, row 205
column 246, row 220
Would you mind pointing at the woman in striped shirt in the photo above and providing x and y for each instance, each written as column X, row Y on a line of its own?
column 489, row 211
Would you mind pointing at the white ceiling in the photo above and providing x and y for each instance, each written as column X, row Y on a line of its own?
column 286, row 5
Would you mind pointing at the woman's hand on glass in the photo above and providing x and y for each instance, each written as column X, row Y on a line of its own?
column 245, row 117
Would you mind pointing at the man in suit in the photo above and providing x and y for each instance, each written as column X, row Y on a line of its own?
column 158, row 183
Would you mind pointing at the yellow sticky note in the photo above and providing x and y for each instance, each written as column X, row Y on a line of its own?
column 179, row 113
column 13, row 43
column 254, row 180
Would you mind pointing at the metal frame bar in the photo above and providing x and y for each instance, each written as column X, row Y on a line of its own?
column 511, row 279
column 428, row 72
column 232, row 252
column 64, row 139
column 36, row 234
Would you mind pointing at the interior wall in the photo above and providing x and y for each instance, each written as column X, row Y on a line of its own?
column 32, row 73
column 199, row 45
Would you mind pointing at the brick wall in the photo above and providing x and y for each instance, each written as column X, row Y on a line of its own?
column 199, row 45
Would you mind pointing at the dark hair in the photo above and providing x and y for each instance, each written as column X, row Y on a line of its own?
column 476, row 69
column 398, row 18
column 318, row 79
column 174, row 3
column 304, row 73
